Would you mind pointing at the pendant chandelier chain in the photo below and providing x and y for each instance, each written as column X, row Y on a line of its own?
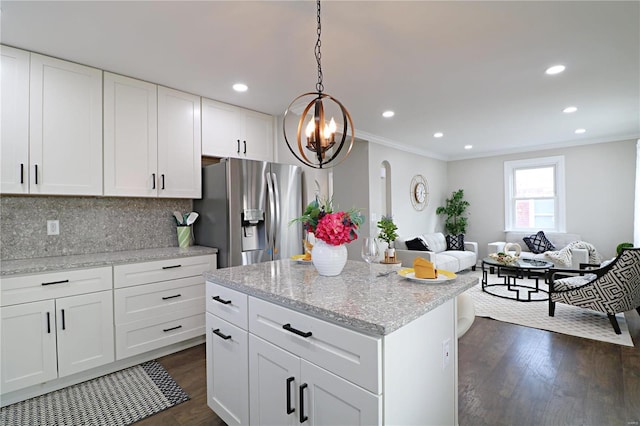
column 319, row 85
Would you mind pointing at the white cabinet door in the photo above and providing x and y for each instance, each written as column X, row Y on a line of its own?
column 227, row 371
column 327, row 399
column 14, row 140
column 65, row 128
column 85, row 332
column 274, row 375
column 221, row 129
column 179, row 144
column 258, row 135
column 28, row 345
column 130, row 137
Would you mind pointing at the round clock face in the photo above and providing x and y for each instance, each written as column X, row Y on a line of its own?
column 419, row 192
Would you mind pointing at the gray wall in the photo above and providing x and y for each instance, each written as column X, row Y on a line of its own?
column 87, row 225
column 599, row 193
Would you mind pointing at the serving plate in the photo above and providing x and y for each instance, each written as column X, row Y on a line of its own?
column 443, row 276
column 299, row 258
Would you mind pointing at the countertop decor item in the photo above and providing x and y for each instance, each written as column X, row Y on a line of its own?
column 332, row 230
column 388, row 234
column 320, row 134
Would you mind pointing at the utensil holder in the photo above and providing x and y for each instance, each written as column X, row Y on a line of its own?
column 184, row 236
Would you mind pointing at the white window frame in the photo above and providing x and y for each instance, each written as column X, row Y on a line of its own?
column 510, row 167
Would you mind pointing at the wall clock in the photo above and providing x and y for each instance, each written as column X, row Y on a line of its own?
column 419, row 192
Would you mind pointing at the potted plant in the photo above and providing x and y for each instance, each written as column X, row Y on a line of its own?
column 454, row 208
column 388, row 234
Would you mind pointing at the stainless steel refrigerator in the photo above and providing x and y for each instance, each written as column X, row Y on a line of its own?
column 246, row 209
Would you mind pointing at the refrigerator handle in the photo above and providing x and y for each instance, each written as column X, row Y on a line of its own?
column 271, row 212
column 276, row 225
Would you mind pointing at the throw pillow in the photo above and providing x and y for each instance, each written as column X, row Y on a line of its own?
column 455, row 242
column 538, row 243
column 417, row 244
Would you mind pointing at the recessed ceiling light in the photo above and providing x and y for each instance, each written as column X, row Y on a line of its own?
column 556, row 69
column 240, row 87
column 468, row 146
column 580, row 131
column 438, row 134
column 569, row 109
column 388, row 114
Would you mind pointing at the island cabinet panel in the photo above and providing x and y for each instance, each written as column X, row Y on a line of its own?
column 228, row 304
column 349, row 354
column 287, row 390
column 227, row 372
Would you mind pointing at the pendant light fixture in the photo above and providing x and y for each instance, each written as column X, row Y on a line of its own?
column 319, row 147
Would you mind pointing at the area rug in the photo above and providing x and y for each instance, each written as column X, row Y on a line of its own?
column 117, row 399
column 567, row 320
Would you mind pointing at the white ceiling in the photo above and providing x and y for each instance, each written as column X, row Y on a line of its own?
column 473, row 70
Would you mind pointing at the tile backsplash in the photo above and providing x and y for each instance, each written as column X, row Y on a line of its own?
column 87, row 225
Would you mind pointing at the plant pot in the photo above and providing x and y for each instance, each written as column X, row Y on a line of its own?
column 390, row 255
column 329, row 260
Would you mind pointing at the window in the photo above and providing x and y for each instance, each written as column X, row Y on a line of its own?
column 534, row 194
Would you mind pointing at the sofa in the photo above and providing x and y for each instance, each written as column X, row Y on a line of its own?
column 558, row 239
column 449, row 260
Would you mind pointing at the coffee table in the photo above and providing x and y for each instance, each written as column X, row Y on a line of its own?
column 511, row 273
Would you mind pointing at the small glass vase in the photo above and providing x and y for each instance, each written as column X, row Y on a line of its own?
column 329, row 260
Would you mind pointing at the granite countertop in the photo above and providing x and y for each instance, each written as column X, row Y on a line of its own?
column 59, row 263
column 354, row 299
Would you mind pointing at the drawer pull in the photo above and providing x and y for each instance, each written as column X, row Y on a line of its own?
column 219, row 334
column 218, row 299
column 303, row 418
column 56, row 282
column 298, row 332
column 171, row 267
column 172, row 328
column 289, row 408
column 171, row 297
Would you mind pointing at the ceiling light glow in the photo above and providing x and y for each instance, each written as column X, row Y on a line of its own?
column 468, row 146
column 569, row 109
column 240, row 87
column 438, row 134
column 580, row 131
column 556, row 69
column 388, row 114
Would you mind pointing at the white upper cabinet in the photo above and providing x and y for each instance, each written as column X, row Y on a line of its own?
column 14, row 177
column 130, row 137
column 179, row 144
column 230, row 131
column 65, row 128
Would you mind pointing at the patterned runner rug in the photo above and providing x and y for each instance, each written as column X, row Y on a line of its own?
column 567, row 320
column 117, row 399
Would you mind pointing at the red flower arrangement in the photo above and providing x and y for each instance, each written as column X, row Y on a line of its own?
column 334, row 228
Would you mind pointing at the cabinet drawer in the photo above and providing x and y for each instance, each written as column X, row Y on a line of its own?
column 227, row 304
column 161, row 270
column 156, row 300
column 347, row 353
column 31, row 288
column 142, row 336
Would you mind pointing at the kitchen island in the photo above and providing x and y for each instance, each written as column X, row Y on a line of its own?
column 285, row 345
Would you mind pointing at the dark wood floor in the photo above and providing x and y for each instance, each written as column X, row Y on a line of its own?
column 508, row 375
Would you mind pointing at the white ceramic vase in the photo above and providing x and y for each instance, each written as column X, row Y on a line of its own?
column 329, row 260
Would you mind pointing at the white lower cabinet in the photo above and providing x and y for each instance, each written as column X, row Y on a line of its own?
column 286, row 390
column 44, row 340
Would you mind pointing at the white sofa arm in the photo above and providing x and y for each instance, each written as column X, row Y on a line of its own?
column 407, row 256
column 495, row 247
column 471, row 246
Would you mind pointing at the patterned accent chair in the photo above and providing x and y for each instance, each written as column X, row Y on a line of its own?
column 610, row 289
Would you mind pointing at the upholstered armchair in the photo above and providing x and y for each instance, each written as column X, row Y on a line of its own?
column 610, row 289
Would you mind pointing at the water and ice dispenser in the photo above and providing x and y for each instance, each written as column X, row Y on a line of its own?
column 253, row 230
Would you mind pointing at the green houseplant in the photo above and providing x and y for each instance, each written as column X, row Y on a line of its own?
column 454, row 209
column 388, row 234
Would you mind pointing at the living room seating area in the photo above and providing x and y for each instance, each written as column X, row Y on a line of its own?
column 434, row 248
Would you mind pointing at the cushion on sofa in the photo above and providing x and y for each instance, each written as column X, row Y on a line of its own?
column 435, row 241
column 417, row 244
column 558, row 239
column 538, row 243
column 455, row 242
